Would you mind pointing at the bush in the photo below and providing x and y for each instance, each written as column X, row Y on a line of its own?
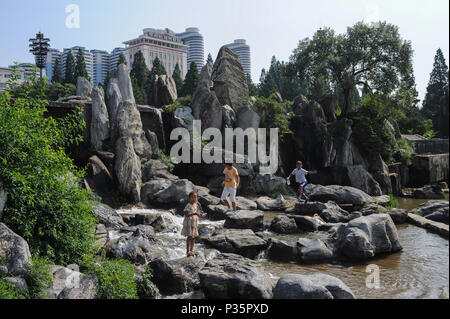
column 172, row 107
column 273, row 114
column 166, row 159
column 46, row 205
column 115, row 279
column 38, row 278
column 393, row 202
column 403, row 152
column 145, row 287
column 58, row 90
column 9, row 291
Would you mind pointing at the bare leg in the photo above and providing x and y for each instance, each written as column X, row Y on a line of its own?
column 234, row 206
column 301, row 191
column 227, row 203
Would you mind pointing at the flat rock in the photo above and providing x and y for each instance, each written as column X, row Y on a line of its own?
column 245, row 219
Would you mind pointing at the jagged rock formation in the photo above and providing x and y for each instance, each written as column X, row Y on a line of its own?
column 163, row 91
column 84, row 87
column 100, row 119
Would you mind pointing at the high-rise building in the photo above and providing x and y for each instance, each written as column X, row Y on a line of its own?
column 88, row 58
column 5, row 75
column 114, row 58
column 52, row 56
column 101, row 65
column 163, row 44
column 196, row 46
column 243, row 50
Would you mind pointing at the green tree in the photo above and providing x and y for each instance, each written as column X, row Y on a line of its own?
column 436, row 89
column 373, row 56
column 80, row 66
column 267, row 85
column 177, row 78
column 139, row 78
column 210, row 59
column 157, row 69
column 444, row 115
column 57, row 74
column 191, row 80
column 107, row 80
column 252, row 89
column 122, row 60
column 70, row 69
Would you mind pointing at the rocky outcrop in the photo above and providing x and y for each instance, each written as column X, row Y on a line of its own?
column 268, row 184
column 113, row 99
column 435, row 210
column 230, row 82
column 338, row 194
column 282, row 224
column 100, row 119
column 429, row 192
column 205, row 105
column 128, row 169
column 428, row 169
column 365, row 237
column 176, row 276
column 248, row 117
column 3, row 198
column 71, row 284
column 230, row 276
column 163, row 91
column 381, row 174
column 317, row 286
column 245, row 219
column 238, row 241
column 16, row 251
column 153, row 169
column 177, row 193
column 124, row 83
column 84, row 87
column 99, row 178
column 183, row 118
column 361, row 179
column 108, row 216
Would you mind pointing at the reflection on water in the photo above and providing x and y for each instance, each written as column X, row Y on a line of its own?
column 419, row 271
column 409, row 203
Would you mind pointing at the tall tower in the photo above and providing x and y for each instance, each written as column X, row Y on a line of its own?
column 243, row 50
column 196, row 47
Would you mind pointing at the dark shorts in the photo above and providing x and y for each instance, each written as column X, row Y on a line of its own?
column 297, row 185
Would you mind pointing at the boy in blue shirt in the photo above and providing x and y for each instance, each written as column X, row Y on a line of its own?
column 300, row 179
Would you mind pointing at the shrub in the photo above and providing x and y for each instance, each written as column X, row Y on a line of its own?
column 393, row 202
column 185, row 100
column 145, row 287
column 115, row 279
column 46, row 205
column 273, row 114
column 172, row 107
column 403, row 152
column 38, row 278
column 166, row 159
column 9, row 291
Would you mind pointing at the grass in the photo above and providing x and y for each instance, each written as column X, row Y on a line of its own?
column 393, row 202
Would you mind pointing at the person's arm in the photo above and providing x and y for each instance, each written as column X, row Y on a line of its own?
column 312, row 172
column 238, row 179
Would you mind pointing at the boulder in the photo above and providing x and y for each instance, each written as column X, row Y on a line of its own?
column 207, row 199
column 338, row 194
column 282, row 224
column 176, row 193
column 124, row 83
column 153, row 120
column 399, row 216
column 153, row 169
column 205, row 105
column 230, row 81
column 16, row 251
column 230, row 276
column 314, row 251
column 361, row 179
column 100, row 119
column 371, row 209
column 108, row 216
column 99, row 178
column 381, row 174
column 113, row 99
column 163, row 91
column 238, row 241
column 84, row 87
column 429, row 192
column 217, row 212
column 154, row 144
column 151, row 188
column 436, row 210
column 282, row 251
column 245, row 219
column 307, row 223
column 128, row 169
column 71, row 284
column 184, row 118
column 18, row 282
column 329, row 212
column 228, row 116
column 317, row 286
column 268, row 184
column 176, row 276
column 367, row 236
column 270, row 204
column 243, row 203
column 3, row 199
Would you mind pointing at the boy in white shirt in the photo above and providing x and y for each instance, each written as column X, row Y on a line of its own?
column 300, row 179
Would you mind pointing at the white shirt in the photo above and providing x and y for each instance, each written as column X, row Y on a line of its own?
column 300, row 175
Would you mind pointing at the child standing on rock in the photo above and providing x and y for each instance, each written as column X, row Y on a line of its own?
column 192, row 212
column 300, row 179
column 230, row 183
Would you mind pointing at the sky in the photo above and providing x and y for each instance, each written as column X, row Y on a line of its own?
column 271, row 27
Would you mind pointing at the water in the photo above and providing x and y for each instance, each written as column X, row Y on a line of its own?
column 419, row 271
column 410, row 203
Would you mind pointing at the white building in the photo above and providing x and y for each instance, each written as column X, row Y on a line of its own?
column 88, row 58
column 163, row 44
column 100, row 66
column 5, row 75
column 196, row 47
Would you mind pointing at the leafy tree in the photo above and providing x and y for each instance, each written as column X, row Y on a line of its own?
column 57, row 73
column 273, row 114
column 210, row 59
column 373, row 56
column 139, row 78
column 191, row 80
column 436, row 89
column 444, row 116
column 252, row 89
column 157, row 69
column 267, row 85
column 80, row 66
column 70, row 69
column 177, row 78
column 107, row 80
column 122, row 60
column 57, row 90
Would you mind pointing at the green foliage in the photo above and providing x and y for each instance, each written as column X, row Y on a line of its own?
column 139, row 78
column 46, row 205
column 70, row 69
column 191, row 80
column 38, row 278
column 210, row 59
column 115, row 279
column 145, row 287
column 185, row 100
column 166, row 159
column 9, row 291
column 177, row 77
column 403, row 152
column 393, row 202
column 372, row 56
column 436, row 89
column 252, row 89
column 57, row 73
column 369, row 130
column 57, row 90
column 273, row 114
column 80, row 67
column 122, row 60
column 172, row 107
